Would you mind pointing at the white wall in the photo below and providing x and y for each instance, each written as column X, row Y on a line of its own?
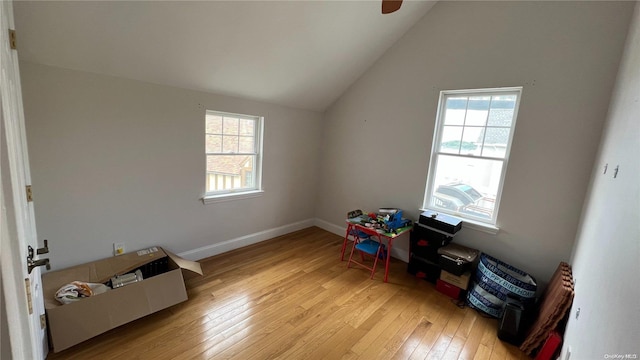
column 378, row 135
column 5, row 343
column 606, row 256
column 116, row 160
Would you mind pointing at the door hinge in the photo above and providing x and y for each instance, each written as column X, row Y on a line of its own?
column 27, row 285
column 12, row 39
column 29, row 194
column 43, row 321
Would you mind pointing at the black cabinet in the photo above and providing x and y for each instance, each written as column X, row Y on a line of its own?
column 423, row 246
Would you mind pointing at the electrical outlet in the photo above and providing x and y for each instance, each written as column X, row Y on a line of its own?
column 568, row 355
column 118, row 249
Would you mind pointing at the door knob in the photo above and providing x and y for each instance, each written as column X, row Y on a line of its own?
column 32, row 264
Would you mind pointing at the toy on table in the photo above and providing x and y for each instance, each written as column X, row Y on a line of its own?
column 384, row 222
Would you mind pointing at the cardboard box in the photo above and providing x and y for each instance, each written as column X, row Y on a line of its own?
column 461, row 281
column 451, row 291
column 73, row 323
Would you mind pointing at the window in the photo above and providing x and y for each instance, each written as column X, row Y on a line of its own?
column 233, row 146
column 471, row 145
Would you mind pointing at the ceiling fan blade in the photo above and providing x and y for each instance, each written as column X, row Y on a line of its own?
column 389, row 6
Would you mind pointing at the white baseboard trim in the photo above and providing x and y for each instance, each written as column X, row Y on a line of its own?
column 397, row 253
column 232, row 244
column 332, row 228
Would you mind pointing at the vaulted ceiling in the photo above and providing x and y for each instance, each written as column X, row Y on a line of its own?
column 301, row 54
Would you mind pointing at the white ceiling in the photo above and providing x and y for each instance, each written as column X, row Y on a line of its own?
column 301, row 54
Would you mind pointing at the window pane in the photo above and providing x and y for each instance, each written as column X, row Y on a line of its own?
column 455, row 110
column 247, row 144
column 495, row 143
column 213, row 124
column 247, row 127
column 247, row 165
column 230, row 144
column 214, row 143
column 229, row 172
column 502, row 108
column 500, row 117
column 477, row 111
column 450, row 142
column 230, row 126
column 466, row 186
column 472, row 140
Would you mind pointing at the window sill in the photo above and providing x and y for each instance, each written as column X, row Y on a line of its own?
column 212, row 199
column 476, row 225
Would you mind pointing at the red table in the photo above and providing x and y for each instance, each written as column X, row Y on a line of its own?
column 354, row 225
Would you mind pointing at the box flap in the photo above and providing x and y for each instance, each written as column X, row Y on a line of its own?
column 191, row 266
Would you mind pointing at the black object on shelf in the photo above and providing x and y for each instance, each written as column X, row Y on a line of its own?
column 457, row 259
column 442, row 222
column 425, row 242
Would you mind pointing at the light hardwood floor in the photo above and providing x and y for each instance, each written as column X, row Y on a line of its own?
column 292, row 298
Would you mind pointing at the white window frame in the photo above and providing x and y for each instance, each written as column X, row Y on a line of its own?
column 244, row 193
column 468, row 221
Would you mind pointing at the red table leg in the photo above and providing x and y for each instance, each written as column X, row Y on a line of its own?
column 346, row 240
column 386, row 265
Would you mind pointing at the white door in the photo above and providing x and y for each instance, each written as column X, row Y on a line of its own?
column 18, row 231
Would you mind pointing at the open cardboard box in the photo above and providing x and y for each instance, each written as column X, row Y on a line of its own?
column 73, row 323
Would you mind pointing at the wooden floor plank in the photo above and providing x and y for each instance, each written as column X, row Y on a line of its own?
column 483, row 353
column 473, row 338
column 413, row 341
column 427, row 342
column 467, row 323
column 453, row 324
column 499, row 351
column 406, row 323
column 454, row 348
column 292, row 298
column 384, row 323
column 439, row 348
